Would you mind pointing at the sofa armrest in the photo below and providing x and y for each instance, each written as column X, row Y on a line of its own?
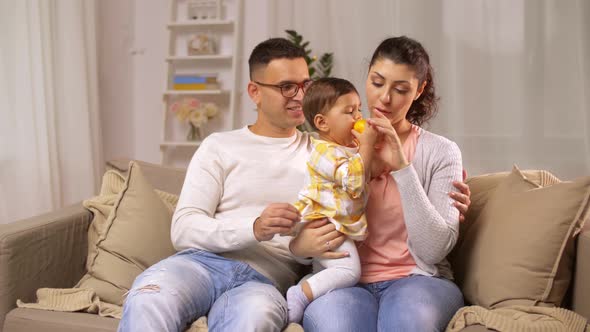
column 45, row 251
column 581, row 293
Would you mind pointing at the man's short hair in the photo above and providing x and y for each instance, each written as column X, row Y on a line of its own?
column 271, row 49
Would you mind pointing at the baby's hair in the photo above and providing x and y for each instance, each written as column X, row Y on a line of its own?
column 322, row 94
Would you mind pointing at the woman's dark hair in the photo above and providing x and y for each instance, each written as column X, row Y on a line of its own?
column 407, row 51
column 322, row 94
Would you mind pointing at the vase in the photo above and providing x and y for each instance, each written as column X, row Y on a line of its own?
column 194, row 133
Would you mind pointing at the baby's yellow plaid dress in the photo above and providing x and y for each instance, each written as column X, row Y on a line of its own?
column 335, row 188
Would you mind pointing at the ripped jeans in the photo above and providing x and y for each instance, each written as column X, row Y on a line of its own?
column 179, row 289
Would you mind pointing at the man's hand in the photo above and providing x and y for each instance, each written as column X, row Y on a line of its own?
column 277, row 218
column 316, row 239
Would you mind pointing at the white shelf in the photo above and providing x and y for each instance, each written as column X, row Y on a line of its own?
column 198, row 57
column 226, row 34
column 167, row 144
column 193, row 92
column 188, row 24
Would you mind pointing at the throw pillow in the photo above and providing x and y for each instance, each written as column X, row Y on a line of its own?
column 482, row 187
column 520, row 249
column 168, row 179
column 134, row 236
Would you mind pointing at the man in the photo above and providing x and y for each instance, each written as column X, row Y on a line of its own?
column 228, row 206
column 233, row 264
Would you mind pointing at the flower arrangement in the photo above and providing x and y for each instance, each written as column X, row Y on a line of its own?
column 195, row 113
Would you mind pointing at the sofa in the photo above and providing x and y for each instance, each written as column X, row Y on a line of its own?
column 51, row 251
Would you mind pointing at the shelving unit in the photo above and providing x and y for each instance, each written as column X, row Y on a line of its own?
column 180, row 25
column 193, row 93
column 223, row 63
column 199, row 57
column 181, row 143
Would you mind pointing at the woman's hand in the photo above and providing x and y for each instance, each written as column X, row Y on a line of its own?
column 462, row 198
column 389, row 149
column 317, row 239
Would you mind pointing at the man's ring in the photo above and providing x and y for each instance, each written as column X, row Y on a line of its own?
column 328, row 244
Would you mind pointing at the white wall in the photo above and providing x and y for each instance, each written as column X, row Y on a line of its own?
column 115, row 32
column 133, row 42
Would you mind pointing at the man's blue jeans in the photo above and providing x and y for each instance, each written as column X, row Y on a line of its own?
column 174, row 292
column 416, row 303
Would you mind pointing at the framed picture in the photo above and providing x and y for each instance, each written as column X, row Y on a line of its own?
column 204, row 9
column 201, row 43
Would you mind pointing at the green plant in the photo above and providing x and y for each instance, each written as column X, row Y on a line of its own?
column 321, row 67
column 317, row 68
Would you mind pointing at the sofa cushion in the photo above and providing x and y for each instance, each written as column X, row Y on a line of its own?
column 168, row 179
column 482, row 187
column 520, row 249
column 31, row 320
column 134, row 236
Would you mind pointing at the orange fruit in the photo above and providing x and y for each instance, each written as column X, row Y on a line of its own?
column 360, row 125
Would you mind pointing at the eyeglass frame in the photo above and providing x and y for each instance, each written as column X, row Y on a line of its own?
column 301, row 86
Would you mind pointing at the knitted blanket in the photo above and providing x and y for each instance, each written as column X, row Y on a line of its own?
column 519, row 319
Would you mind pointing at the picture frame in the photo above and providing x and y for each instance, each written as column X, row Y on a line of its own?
column 204, row 10
column 201, row 44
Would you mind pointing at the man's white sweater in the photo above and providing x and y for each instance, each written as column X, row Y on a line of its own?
column 234, row 175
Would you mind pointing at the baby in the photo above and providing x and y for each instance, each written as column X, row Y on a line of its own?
column 335, row 183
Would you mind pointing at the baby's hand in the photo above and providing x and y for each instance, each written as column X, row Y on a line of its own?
column 366, row 135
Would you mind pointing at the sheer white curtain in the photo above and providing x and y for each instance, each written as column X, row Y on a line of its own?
column 50, row 153
column 514, row 75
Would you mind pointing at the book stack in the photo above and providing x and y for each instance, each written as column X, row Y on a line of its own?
column 195, row 82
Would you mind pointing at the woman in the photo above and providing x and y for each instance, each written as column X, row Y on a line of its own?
column 412, row 222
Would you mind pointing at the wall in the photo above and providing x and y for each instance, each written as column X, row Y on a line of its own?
column 115, row 34
column 132, row 45
column 497, row 122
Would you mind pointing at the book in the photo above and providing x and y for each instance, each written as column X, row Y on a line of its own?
column 195, row 86
column 189, row 79
column 197, row 78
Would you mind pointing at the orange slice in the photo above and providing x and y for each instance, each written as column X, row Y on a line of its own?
column 360, row 125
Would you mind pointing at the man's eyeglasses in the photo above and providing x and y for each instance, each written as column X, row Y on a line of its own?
column 288, row 90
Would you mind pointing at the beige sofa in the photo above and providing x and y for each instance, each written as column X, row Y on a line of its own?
column 50, row 251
